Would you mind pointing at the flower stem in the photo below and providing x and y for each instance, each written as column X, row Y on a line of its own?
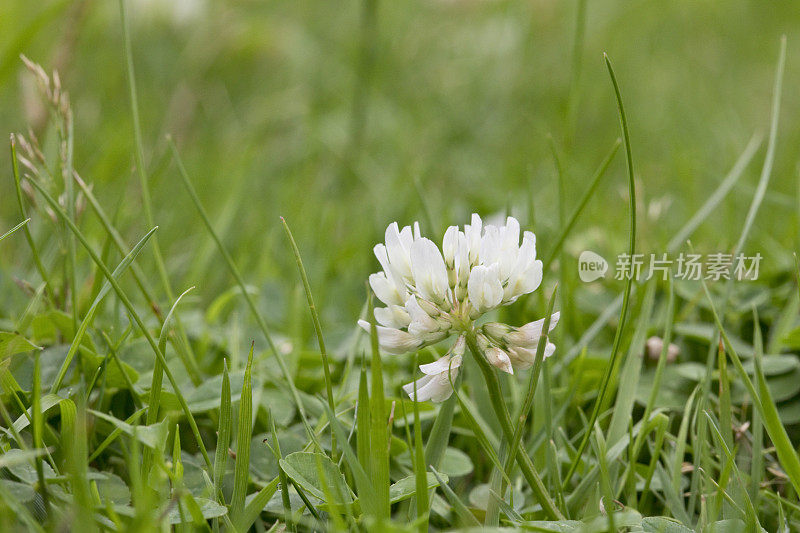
column 501, row 410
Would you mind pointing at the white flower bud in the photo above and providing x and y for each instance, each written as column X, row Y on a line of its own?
column 392, row 340
column 496, row 330
column 499, row 359
column 528, row 335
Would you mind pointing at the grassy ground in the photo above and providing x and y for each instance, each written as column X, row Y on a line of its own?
column 343, row 118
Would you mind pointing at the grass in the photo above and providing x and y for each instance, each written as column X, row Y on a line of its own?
column 276, row 411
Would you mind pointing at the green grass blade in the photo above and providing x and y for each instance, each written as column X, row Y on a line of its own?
column 38, row 423
column 141, row 169
column 421, row 499
column 628, row 283
column 87, row 320
column 276, row 450
column 245, row 294
column 587, row 195
column 223, row 428
column 37, row 260
column 362, row 422
column 154, row 404
column 317, row 328
column 766, row 170
column 631, row 369
column 242, row 469
column 185, row 348
column 255, row 506
column 532, row 382
column 14, row 229
column 787, row 456
column 132, row 310
column 730, row 180
column 501, row 411
column 117, row 240
column 367, row 494
column 662, row 360
column 379, row 438
column 464, row 514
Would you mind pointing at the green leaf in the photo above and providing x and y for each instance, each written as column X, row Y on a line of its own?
column 153, row 436
column 15, row 457
column 406, row 487
column 455, row 463
column 556, row 526
column 23, row 492
column 209, row 509
column 14, row 343
column 301, row 467
column 663, row 524
column 47, row 402
column 792, row 339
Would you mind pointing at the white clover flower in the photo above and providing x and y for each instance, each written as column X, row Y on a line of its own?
column 431, row 295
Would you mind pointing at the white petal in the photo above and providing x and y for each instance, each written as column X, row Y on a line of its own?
column 523, row 358
column 509, row 248
column 527, row 336
column 436, row 388
column 385, row 290
column 511, row 233
column 429, row 272
column 462, row 265
column 473, row 233
column 490, row 246
column 443, row 364
column 449, row 246
column 484, row 288
column 524, row 282
column 397, row 249
column 421, row 322
column 393, row 316
column 499, row 359
column 421, row 382
column 392, row 340
column 391, row 273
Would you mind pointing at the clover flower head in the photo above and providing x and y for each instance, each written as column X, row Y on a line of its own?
column 432, row 294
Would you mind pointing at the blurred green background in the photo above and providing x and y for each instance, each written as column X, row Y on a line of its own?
column 345, row 116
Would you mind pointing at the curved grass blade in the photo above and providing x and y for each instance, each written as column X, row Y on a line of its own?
column 317, row 329
column 87, row 320
column 154, row 402
column 461, row 510
column 587, row 195
column 612, row 363
column 240, row 281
